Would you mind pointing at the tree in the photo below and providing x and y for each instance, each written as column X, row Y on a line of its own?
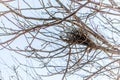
column 78, row 38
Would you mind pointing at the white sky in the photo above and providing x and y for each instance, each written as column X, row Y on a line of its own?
column 8, row 57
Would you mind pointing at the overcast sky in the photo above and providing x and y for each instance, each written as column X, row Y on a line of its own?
column 9, row 59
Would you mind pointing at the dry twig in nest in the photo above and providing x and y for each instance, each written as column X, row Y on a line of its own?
column 77, row 36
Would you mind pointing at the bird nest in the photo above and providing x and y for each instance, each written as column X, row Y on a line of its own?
column 77, row 36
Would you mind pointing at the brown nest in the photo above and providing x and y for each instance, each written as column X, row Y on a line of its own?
column 77, row 36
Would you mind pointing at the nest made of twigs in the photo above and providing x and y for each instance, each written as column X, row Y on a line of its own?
column 77, row 36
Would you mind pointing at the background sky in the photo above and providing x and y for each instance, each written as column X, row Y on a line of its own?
column 9, row 60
